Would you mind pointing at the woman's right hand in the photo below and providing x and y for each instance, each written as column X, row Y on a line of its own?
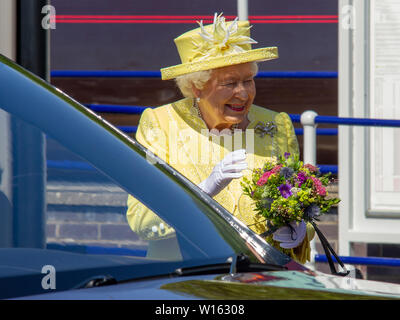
column 229, row 168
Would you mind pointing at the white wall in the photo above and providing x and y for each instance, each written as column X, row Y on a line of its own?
column 369, row 65
column 8, row 28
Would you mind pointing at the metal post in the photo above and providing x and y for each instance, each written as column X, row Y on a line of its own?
column 307, row 119
column 29, row 162
column 346, row 100
column 243, row 11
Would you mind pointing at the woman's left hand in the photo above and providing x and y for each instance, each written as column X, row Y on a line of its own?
column 291, row 237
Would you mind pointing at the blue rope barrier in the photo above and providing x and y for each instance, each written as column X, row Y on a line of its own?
column 128, row 129
column 320, row 131
column 376, row 261
column 297, row 74
column 104, row 74
column 116, row 108
column 350, row 121
column 295, row 118
column 157, row 74
column 358, row 121
column 327, row 131
column 326, row 168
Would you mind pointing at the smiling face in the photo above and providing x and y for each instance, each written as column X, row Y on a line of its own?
column 226, row 98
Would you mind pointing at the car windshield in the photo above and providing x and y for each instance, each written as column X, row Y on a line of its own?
column 72, row 182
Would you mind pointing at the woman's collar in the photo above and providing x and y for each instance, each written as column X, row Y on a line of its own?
column 186, row 110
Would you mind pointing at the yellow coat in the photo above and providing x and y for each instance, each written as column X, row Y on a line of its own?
column 178, row 136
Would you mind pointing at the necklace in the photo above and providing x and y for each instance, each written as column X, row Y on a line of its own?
column 196, row 106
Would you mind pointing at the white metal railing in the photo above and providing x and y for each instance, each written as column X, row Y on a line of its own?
column 309, row 120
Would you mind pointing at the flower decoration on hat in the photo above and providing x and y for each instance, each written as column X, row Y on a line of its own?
column 223, row 39
column 216, row 45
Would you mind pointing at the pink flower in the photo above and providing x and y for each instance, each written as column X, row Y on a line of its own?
column 276, row 169
column 311, row 167
column 318, row 186
column 264, row 178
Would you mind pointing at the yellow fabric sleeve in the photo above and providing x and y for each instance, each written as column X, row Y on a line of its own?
column 142, row 220
column 286, row 136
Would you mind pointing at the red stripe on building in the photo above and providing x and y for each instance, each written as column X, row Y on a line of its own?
column 190, row 19
column 185, row 21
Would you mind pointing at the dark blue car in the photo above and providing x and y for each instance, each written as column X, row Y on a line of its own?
column 90, row 167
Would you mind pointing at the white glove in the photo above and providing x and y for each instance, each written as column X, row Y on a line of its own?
column 290, row 239
column 229, row 168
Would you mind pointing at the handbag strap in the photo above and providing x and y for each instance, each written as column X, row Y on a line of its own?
column 328, row 250
column 270, row 229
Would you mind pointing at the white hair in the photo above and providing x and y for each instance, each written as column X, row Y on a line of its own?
column 199, row 79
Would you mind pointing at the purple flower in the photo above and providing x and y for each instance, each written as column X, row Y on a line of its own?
column 286, row 155
column 285, row 190
column 301, row 177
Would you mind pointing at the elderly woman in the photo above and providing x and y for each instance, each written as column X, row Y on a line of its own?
column 215, row 135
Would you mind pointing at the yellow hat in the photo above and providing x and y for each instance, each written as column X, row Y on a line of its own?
column 216, row 45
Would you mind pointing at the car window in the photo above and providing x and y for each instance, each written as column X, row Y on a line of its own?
column 85, row 210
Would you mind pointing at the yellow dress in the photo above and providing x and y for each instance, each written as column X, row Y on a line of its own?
column 180, row 137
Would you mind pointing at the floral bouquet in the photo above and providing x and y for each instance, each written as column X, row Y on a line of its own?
column 286, row 190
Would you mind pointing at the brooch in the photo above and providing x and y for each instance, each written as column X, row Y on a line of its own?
column 263, row 128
